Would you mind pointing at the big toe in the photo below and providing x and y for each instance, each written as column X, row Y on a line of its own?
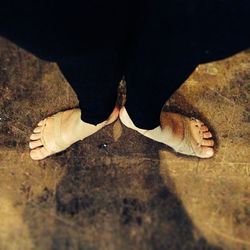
column 206, row 152
column 39, row 153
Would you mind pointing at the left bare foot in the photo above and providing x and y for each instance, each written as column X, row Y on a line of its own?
column 59, row 131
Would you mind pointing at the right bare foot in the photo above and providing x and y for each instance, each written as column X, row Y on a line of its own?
column 185, row 135
column 57, row 132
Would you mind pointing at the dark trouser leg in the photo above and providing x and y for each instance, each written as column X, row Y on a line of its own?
column 96, row 69
column 94, row 78
column 171, row 38
column 159, row 61
column 85, row 40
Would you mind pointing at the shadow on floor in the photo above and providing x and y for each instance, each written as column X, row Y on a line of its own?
column 117, row 199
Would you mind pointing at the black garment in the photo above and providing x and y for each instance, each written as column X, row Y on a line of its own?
column 156, row 44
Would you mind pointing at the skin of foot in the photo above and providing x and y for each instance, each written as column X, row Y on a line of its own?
column 172, row 130
column 72, row 129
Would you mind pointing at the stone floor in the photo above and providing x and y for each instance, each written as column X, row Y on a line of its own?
column 134, row 193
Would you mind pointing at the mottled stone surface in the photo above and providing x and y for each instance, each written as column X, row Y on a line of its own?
column 136, row 193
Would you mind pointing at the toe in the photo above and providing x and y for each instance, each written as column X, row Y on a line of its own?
column 35, row 144
column 35, row 137
column 204, row 128
column 201, row 123
column 39, row 153
column 41, row 123
column 207, row 135
column 37, row 130
column 209, row 143
column 206, row 152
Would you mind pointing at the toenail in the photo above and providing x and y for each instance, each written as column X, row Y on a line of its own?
column 209, row 153
column 32, row 154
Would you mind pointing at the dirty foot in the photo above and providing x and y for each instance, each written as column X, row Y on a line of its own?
column 57, row 132
column 185, row 135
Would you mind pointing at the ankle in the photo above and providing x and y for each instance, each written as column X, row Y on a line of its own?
column 126, row 120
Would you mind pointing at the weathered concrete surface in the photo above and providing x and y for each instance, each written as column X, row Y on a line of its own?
column 134, row 194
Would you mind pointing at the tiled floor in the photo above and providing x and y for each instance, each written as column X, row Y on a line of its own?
column 134, row 194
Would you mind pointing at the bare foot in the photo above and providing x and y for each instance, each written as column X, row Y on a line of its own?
column 57, row 132
column 185, row 135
